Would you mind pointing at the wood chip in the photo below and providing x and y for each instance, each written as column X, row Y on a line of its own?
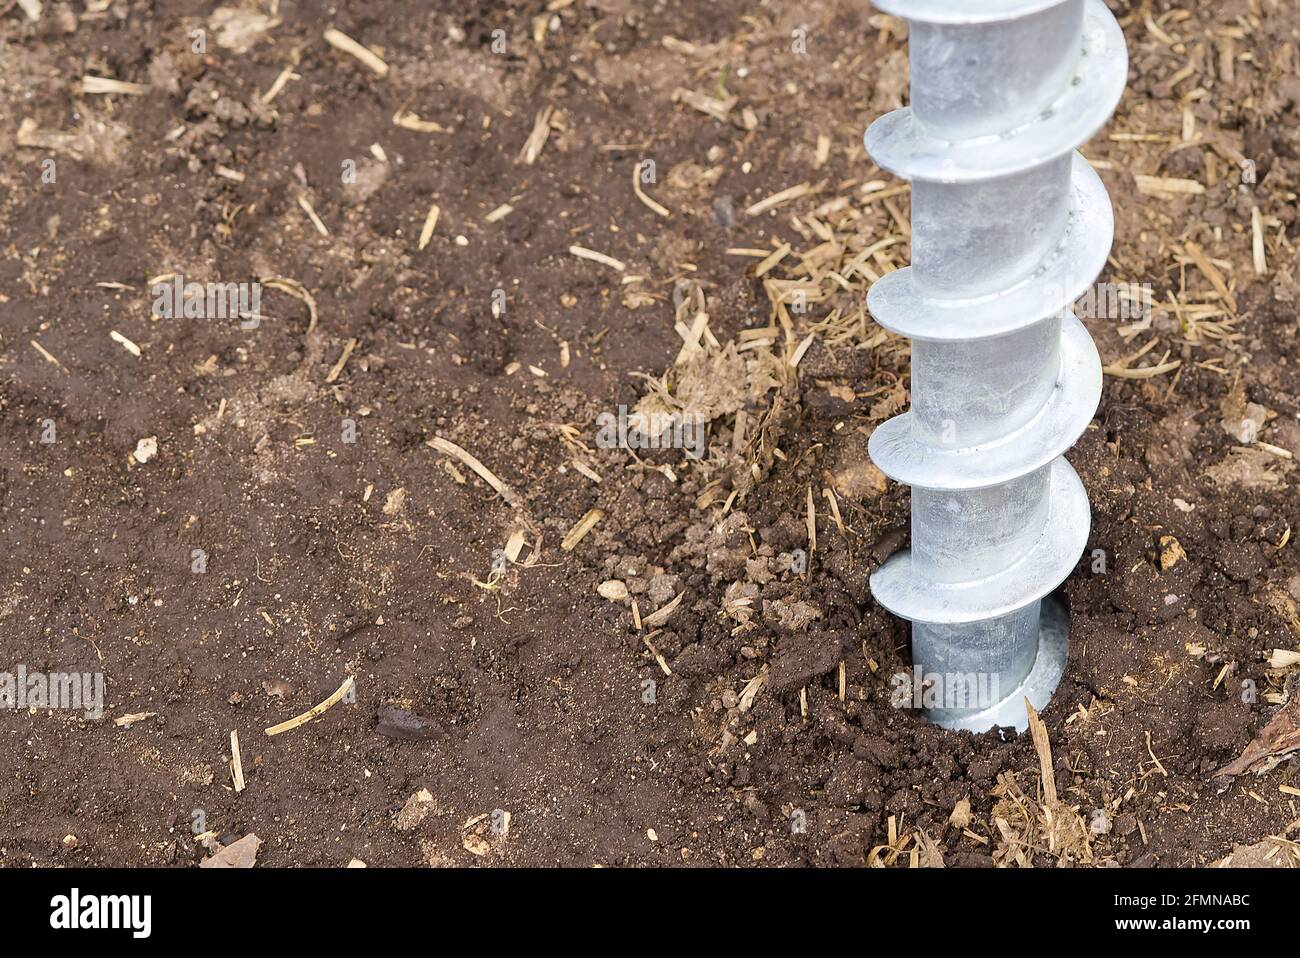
column 315, row 711
column 449, row 448
column 1167, row 185
column 1280, row 737
column 107, row 85
column 341, row 41
column 581, row 528
column 1044, row 748
column 236, row 762
column 126, row 721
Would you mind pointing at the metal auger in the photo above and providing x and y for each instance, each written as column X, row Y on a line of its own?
column 1010, row 225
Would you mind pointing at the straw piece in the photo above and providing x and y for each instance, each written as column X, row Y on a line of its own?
column 1044, row 748
column 779, row 199
column 311, row 215
column 337, row 368
column 107, row 85
column 1165, row 185
column 1260, row 260
column 449, row 448
column 125, row 343
column 341, row 41
column 537, row 138
column 410, row 121
column 583, row 253
column 581, row 528
column 430, row 221
column 315, row 711
column 659, row 616
column 1211, row 273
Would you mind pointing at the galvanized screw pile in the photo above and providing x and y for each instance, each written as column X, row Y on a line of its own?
column 1009, row 226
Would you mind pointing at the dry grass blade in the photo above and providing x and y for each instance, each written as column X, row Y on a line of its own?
column 299, row 292
column 49, row 357
column 659, row 616
column 279, row 83
column 311, row 215
column 537, row 138
column 640, row 193
column 449, row 448
column 337, row 368
column 1211, row 272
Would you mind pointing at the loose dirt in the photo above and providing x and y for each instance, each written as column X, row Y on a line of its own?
column 505, row 710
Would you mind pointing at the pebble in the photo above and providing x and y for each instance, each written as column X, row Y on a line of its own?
column 146, row 449
column 613, row 589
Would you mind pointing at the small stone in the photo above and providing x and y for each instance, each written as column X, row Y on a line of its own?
column 395, row 501
column 402, row 723
column 146, row 449
column 1170, row 551
column 416, row 809
column 613, row 589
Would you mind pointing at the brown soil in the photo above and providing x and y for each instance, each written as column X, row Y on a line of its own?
column 532, row 684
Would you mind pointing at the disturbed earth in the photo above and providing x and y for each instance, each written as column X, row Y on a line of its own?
column 383, row 469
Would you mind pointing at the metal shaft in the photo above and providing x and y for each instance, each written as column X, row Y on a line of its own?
column 1009, row 227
